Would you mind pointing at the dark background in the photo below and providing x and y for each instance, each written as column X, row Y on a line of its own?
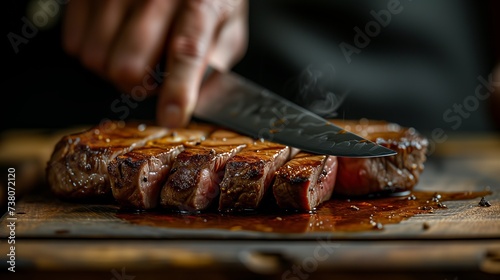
column 426, row 60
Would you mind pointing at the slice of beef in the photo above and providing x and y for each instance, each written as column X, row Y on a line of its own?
column 304, row 182
column 78, row 165
column 249, row 174
column 195, row 176
column 362, row 176
column 137, row 176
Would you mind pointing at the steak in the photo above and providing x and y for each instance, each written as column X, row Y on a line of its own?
column 142, row 166
column 78, row 165
column 137, row 176
column 249, row 174
column 362, row 176
column 195, row 176
column 305, row 182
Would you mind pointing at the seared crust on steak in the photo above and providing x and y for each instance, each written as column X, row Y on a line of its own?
column 137, row 176
column 305, row 181
column 362, row 176
column 194, row 179
column 78, row 165
column 249, row 174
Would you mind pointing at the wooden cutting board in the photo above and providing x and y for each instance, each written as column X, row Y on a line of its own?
column 40, row 215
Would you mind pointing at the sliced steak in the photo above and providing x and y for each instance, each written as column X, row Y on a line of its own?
column 305, row 182
column 249, row 174
column 195, row 176
column 137, row 176
column 78, row 165
column 362, row 176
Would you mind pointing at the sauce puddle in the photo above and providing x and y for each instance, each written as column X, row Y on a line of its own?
column 335, row 215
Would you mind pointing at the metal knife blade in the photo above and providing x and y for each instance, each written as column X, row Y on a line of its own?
column 232, row 101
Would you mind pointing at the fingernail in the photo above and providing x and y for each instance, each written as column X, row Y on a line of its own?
column 172, row 116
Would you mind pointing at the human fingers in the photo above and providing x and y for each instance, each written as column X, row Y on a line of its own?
column 140, row 43
column 102, row 29
column 232, row 39
column 76, row 17
column 191, row 38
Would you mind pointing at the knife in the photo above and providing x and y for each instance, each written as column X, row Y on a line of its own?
column 230, row 100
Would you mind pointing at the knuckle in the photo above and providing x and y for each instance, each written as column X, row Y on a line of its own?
column 203, row 7
column 187, row 47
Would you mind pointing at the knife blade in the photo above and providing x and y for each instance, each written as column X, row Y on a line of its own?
column 235, row 102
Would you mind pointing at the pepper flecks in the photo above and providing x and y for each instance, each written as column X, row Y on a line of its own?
column 484, row 203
